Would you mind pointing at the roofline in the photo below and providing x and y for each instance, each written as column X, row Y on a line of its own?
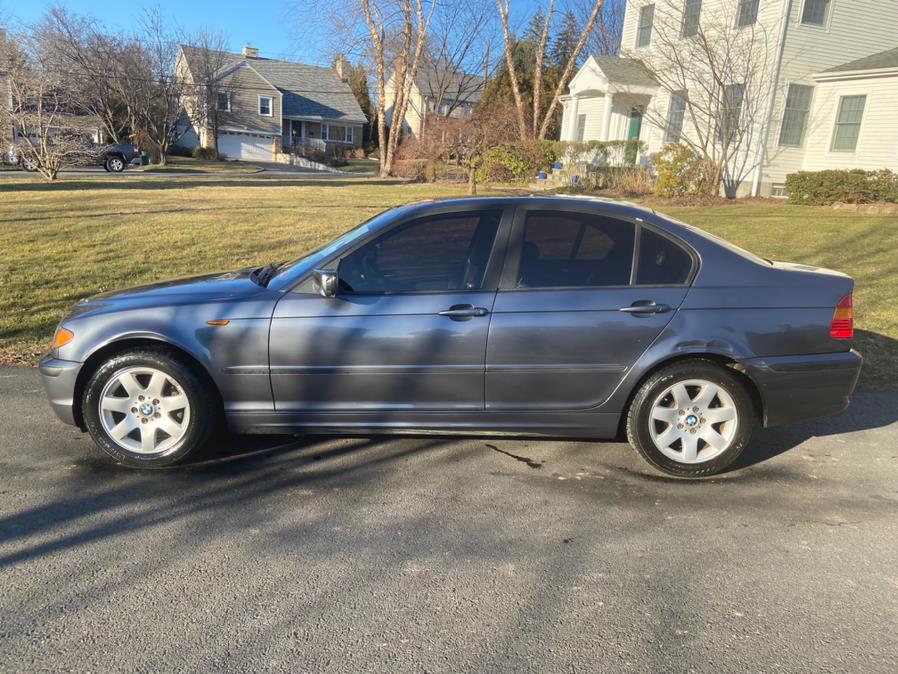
column 312, row 118
column 828, row 75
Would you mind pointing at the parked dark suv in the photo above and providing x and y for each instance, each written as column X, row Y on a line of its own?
column 113, row 157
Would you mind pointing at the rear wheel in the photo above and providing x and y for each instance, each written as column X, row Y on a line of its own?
column 28, row 165
column 115, row 164
column 148, row 407
column 691, row 419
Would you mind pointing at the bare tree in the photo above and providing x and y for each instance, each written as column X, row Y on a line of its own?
column 605, row 39
column 202, row 85
column 721, row 76
column 540, row 120
column 48, row 134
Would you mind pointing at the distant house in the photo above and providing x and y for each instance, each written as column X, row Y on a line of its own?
column 829, row 109
column 266, row 107
column 435, row 92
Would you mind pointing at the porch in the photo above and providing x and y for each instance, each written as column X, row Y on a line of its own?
column 326, row 137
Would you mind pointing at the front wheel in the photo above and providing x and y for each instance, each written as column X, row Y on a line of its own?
column 147, row 407
column 691, row 419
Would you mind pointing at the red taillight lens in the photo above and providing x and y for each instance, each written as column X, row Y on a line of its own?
column 842, row 326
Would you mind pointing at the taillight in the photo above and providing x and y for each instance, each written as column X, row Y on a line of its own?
column 842, row 325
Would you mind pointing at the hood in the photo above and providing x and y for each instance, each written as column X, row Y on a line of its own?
column 196, row 288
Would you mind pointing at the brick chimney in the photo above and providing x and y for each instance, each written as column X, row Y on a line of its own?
column 340, row 67
column 250, row 52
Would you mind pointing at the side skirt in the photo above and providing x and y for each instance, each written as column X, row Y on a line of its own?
column 559, row 424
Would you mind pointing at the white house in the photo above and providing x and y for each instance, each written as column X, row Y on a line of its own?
column 829, row 81
column 435, row 92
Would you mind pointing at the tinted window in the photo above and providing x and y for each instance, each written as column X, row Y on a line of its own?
column 562, row 250
column 439, row 253
column 661, row 261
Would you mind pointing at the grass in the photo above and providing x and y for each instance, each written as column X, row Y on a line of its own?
column 369, row 166
column 85, row 235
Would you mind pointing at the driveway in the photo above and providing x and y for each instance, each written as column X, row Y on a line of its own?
column 444, row 555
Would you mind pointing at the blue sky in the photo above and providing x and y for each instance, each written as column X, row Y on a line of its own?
column 262, row 23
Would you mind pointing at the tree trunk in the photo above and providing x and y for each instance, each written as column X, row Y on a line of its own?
column 472, row 181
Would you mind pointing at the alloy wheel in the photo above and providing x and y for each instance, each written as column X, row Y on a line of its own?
column 693, row 421
column 144, row 410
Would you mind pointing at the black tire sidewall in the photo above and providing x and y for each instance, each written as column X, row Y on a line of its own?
column 196, row 390
column 638, row 418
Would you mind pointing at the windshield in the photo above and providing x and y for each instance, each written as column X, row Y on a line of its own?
column 301, row 266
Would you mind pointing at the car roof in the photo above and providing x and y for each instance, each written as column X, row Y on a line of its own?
column 623, row 208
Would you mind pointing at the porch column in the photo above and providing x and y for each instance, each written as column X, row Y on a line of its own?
column 572, row 125
column 607, row 105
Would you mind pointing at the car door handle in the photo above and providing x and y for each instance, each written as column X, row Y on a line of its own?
column 645, row 307
column 464, row 311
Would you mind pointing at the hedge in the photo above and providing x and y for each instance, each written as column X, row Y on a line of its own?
column 824, row 188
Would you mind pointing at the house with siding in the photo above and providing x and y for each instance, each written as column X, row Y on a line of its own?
column 830, row 79
column 436, row 92
column 265, row 108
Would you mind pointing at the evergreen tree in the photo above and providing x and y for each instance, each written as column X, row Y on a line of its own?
column 565, row 42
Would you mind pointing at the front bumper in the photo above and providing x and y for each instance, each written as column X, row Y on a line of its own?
column 59, row 377
column 795, row 388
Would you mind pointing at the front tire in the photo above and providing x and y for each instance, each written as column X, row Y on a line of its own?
column 115, row 164
column 148, row 408
column 691, row 419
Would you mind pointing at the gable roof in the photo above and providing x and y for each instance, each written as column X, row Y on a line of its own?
column 625, row 70
column 307, row 91
column 456, row 86
column 880, row 61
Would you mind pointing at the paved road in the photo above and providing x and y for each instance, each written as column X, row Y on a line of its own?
column 447, row 555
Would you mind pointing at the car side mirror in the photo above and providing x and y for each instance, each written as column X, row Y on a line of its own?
column 325, row 282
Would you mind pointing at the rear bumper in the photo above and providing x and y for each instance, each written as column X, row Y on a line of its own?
column 795, row 388
column 59, row 377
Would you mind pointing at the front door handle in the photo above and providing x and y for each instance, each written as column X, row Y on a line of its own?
column 461, row 311
column 645, row 308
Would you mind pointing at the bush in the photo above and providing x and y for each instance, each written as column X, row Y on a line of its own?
column 206, row 153
column 424, row 170
column 180, row 151
column 624, row 180
column 824, row 188
column 681, row 172
column 598, row 152
column 514, row 162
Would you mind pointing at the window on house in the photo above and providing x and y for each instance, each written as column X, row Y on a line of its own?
column 730, row 112
column 692, row 11
column 265, row 106
column 224, row 101
column 815, row 12
column 795, row 116
column 565, row 250
column 644, row 31
column 676, row 111
column 778, row 191
column 581, row 127
column 341, row 134
column 848, row 123
column 748, row 13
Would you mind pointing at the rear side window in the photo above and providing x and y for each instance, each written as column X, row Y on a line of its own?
column 661, row 261
column 568, row 250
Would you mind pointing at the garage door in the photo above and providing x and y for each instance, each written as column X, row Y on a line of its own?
column 245, row 148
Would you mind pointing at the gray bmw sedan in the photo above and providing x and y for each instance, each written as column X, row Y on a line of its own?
column 559, row 316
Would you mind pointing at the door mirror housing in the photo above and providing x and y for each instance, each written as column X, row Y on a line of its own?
column 325, row 282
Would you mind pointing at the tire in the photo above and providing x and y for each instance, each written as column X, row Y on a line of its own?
column 115, row 164
column 691, row 419
column 161, row 409
column 27, row 166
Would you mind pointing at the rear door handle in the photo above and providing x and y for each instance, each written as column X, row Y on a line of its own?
column 645, row 307
column 457, row 311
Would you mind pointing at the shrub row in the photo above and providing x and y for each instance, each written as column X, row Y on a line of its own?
column 824, row 188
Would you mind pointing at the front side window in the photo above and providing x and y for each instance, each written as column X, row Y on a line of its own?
column 224, row 101
column 692, row 12
column 569, row 250
column 848, row 123
column 440, row 253
column 644, row 31
column 795, row 116
column 661, row 261
column 265, row 106
column 748, row 13
column 815, row 12
column 676, row 111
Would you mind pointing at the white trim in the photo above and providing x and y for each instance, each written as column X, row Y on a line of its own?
column 835, row 123
column 270, row 106
column 249, row 132
column 856, row 74
column 825, row 26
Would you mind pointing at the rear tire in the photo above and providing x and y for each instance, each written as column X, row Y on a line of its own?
column 115, row 164
column 691, row 419
column 148, row 407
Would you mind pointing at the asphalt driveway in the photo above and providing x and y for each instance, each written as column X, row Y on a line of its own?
column 446, row 555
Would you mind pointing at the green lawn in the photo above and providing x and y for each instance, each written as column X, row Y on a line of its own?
column 84, row 235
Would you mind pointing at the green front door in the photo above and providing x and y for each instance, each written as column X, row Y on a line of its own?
column 633, row 136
